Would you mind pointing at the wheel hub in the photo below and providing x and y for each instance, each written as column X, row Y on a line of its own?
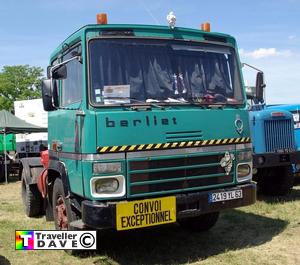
column 61, row 212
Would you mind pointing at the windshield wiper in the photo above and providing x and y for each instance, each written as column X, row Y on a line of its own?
column 135, row 100
column 212, row 102
column 218, row 99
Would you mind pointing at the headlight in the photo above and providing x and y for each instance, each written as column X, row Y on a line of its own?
column 261, row 160
column 245, row 156
column 106, row 185
column 244, row 172
column 112, row 186
column 100, row 168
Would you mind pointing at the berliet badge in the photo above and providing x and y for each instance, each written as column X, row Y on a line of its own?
column 239, row 125
column 227, row 161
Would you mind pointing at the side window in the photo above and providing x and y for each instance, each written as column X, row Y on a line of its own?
column 72, row 86
column 55, row 85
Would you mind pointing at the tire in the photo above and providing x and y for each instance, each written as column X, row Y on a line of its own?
column 59, row 199
column 32, row 200
column 275, row 181
column 200, row 223
column 2, row 173
column 58, row 202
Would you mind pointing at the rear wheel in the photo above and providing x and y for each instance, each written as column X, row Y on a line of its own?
column 200, row 223
column 32, row 199
column 2, row 173
column 275, row 181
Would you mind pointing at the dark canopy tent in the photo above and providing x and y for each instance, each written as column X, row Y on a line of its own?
column 9, row 123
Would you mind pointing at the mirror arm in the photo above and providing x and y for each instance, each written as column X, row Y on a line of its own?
column 258, row 70
column 53, row 68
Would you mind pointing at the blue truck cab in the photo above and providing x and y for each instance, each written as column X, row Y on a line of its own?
column 294, row 109
column 275, row 148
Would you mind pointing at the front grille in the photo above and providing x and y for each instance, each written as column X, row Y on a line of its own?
column 279, row 135
column 174, row 162
column 150, row 177
column 184, row 136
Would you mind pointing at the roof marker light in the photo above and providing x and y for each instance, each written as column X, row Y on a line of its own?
column 205, row 26
column 102, row 19
column 277, row 114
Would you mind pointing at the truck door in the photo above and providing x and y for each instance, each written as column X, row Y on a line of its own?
column 65, row 123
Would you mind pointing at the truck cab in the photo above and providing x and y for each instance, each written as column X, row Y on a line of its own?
column 274, row 146
column 294, row 109
column 147, row 125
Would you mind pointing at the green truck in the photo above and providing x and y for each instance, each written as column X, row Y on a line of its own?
column 147, row 125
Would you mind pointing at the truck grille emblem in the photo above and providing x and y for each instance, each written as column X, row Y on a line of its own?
column 239, row 125
column 226, row 162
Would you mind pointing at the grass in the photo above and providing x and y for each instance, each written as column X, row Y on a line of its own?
column 265, row 233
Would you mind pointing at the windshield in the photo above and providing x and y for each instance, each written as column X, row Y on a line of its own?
column 140, row 71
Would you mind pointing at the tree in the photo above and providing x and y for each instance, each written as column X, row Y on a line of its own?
column 19, row 82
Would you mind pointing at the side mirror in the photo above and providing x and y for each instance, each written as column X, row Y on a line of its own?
column 50, row 99
column 60, row 72
column 49, row 71
column 260, row 85
column 250, row 92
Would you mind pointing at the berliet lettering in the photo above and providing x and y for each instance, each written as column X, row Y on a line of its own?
column 146, row 121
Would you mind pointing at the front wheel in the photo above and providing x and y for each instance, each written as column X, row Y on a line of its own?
column 275, row 181
column 200, row 223
column 62, row 211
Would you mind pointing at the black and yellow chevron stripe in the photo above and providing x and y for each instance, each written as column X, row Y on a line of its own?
column 171, row 145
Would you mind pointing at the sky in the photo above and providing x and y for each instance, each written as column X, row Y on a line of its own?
column 267, row 32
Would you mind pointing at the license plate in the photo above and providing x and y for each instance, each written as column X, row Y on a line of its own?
column 225, row 196
column 144, row 213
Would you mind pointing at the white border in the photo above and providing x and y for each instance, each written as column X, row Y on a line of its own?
column 246, row 178
column 121, row 191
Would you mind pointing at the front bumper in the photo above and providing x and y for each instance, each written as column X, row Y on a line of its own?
column 101, row 215
column 275, row 159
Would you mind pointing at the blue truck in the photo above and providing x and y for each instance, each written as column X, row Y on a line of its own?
column 294, row 109
column 275, row 149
